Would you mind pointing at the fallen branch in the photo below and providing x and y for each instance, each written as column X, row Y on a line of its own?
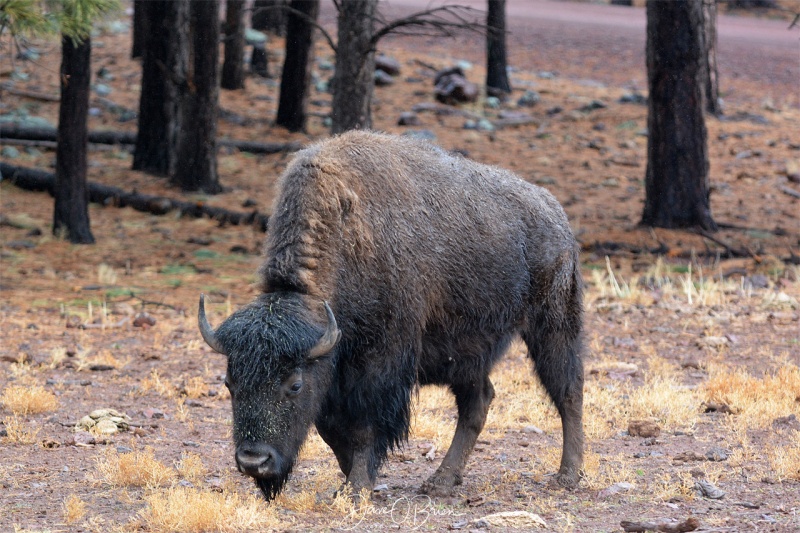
column 38, row 180
column 732, row 252
column 664, row 526
column 788, row 190
column 29, row 94
column 51, row 145
column 127, row 137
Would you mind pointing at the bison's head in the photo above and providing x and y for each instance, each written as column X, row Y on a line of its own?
column 279, row 369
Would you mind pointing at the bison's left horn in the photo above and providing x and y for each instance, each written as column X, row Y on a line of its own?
column 205, row 328
column 328, row 339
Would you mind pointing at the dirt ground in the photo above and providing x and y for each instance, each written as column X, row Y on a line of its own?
column 698, row 347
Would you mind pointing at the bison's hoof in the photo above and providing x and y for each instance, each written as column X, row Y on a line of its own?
column 439, row 486
column 568, row 478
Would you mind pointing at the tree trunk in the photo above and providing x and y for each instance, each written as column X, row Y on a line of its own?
column 163, row 70
column 233, row 66
column 711, row 73
column 496, row 72
column 139, row 27
column 268, row 16
column 353, row 80
column 71, row 213
column 197, row 146
column 676, row 182
column 296, row 76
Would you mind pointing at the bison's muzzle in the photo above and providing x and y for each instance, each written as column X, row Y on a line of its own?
column 258, row 459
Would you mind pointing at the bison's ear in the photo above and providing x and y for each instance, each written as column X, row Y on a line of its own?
column 328, row 339
column 205, row 328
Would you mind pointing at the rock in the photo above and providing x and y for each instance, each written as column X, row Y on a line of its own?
column 9, row 152
column 387, row 64
column 787, row 422
column 409, row 118
column 106, row 427
column 616, row 488
column 591, row 106
column 717, row 454
column 643, row 428
column 708, row 490
column 492, row 102
column 510, row 520
column 152, row 412
column 144, row 320
column 253, row 37
column 633, row 98
column 452, row 87
column 102, row 89
column 382, row 79
column 688, row 457
column 532, row 429
column 424, row 135
column 712, row 342
column 546, row 75
column 529, row 99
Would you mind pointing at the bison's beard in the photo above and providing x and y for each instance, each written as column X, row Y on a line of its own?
column 271, row 487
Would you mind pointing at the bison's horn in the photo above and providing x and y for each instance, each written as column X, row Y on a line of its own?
column 328, row 339
column 205, row 328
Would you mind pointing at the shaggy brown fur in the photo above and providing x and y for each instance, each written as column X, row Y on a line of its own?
column 432, row 264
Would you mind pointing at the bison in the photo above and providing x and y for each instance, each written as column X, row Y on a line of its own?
column 391, row 264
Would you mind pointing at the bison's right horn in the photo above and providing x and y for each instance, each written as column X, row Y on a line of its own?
column 205, row 328
column 328, row 339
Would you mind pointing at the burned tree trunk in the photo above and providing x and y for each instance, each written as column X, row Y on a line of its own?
column 353, row 82
column 269, row 16
column 71, row 212
column 197, row 146
column 233, row 66
column 676, row 181
column 296, row 76
column 163, row 70
column 139, row 27
column 496, row 64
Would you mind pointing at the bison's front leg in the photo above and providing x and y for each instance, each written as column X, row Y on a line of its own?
column 473, row 403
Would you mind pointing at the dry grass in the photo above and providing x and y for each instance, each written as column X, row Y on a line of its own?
column 154, row 382
column 139, row 468
column 756, row 402
column 195, row 387
column 18, row 431
column 601, row 471
column 73, row 509
column 188, row 510
column 24, row 400
column 191, row 467
column 785, row 461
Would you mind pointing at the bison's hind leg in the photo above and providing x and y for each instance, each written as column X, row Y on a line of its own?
column 473, row 402
column 554, row 344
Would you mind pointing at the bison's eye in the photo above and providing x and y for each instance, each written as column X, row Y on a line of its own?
column 296, row 387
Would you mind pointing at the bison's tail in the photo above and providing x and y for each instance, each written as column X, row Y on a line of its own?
column 554, row 335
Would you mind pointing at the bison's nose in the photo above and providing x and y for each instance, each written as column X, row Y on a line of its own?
column 257, row 459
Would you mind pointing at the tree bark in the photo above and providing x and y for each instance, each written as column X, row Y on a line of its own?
column 71, row 212
column 268, row 16
column 197, row 147
column 496, row 71
column 676, row 181
column 233, row 66
column 296, row 76
column 139, row 27
column 163, row 71
column 711, row 71
column 353, row 80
